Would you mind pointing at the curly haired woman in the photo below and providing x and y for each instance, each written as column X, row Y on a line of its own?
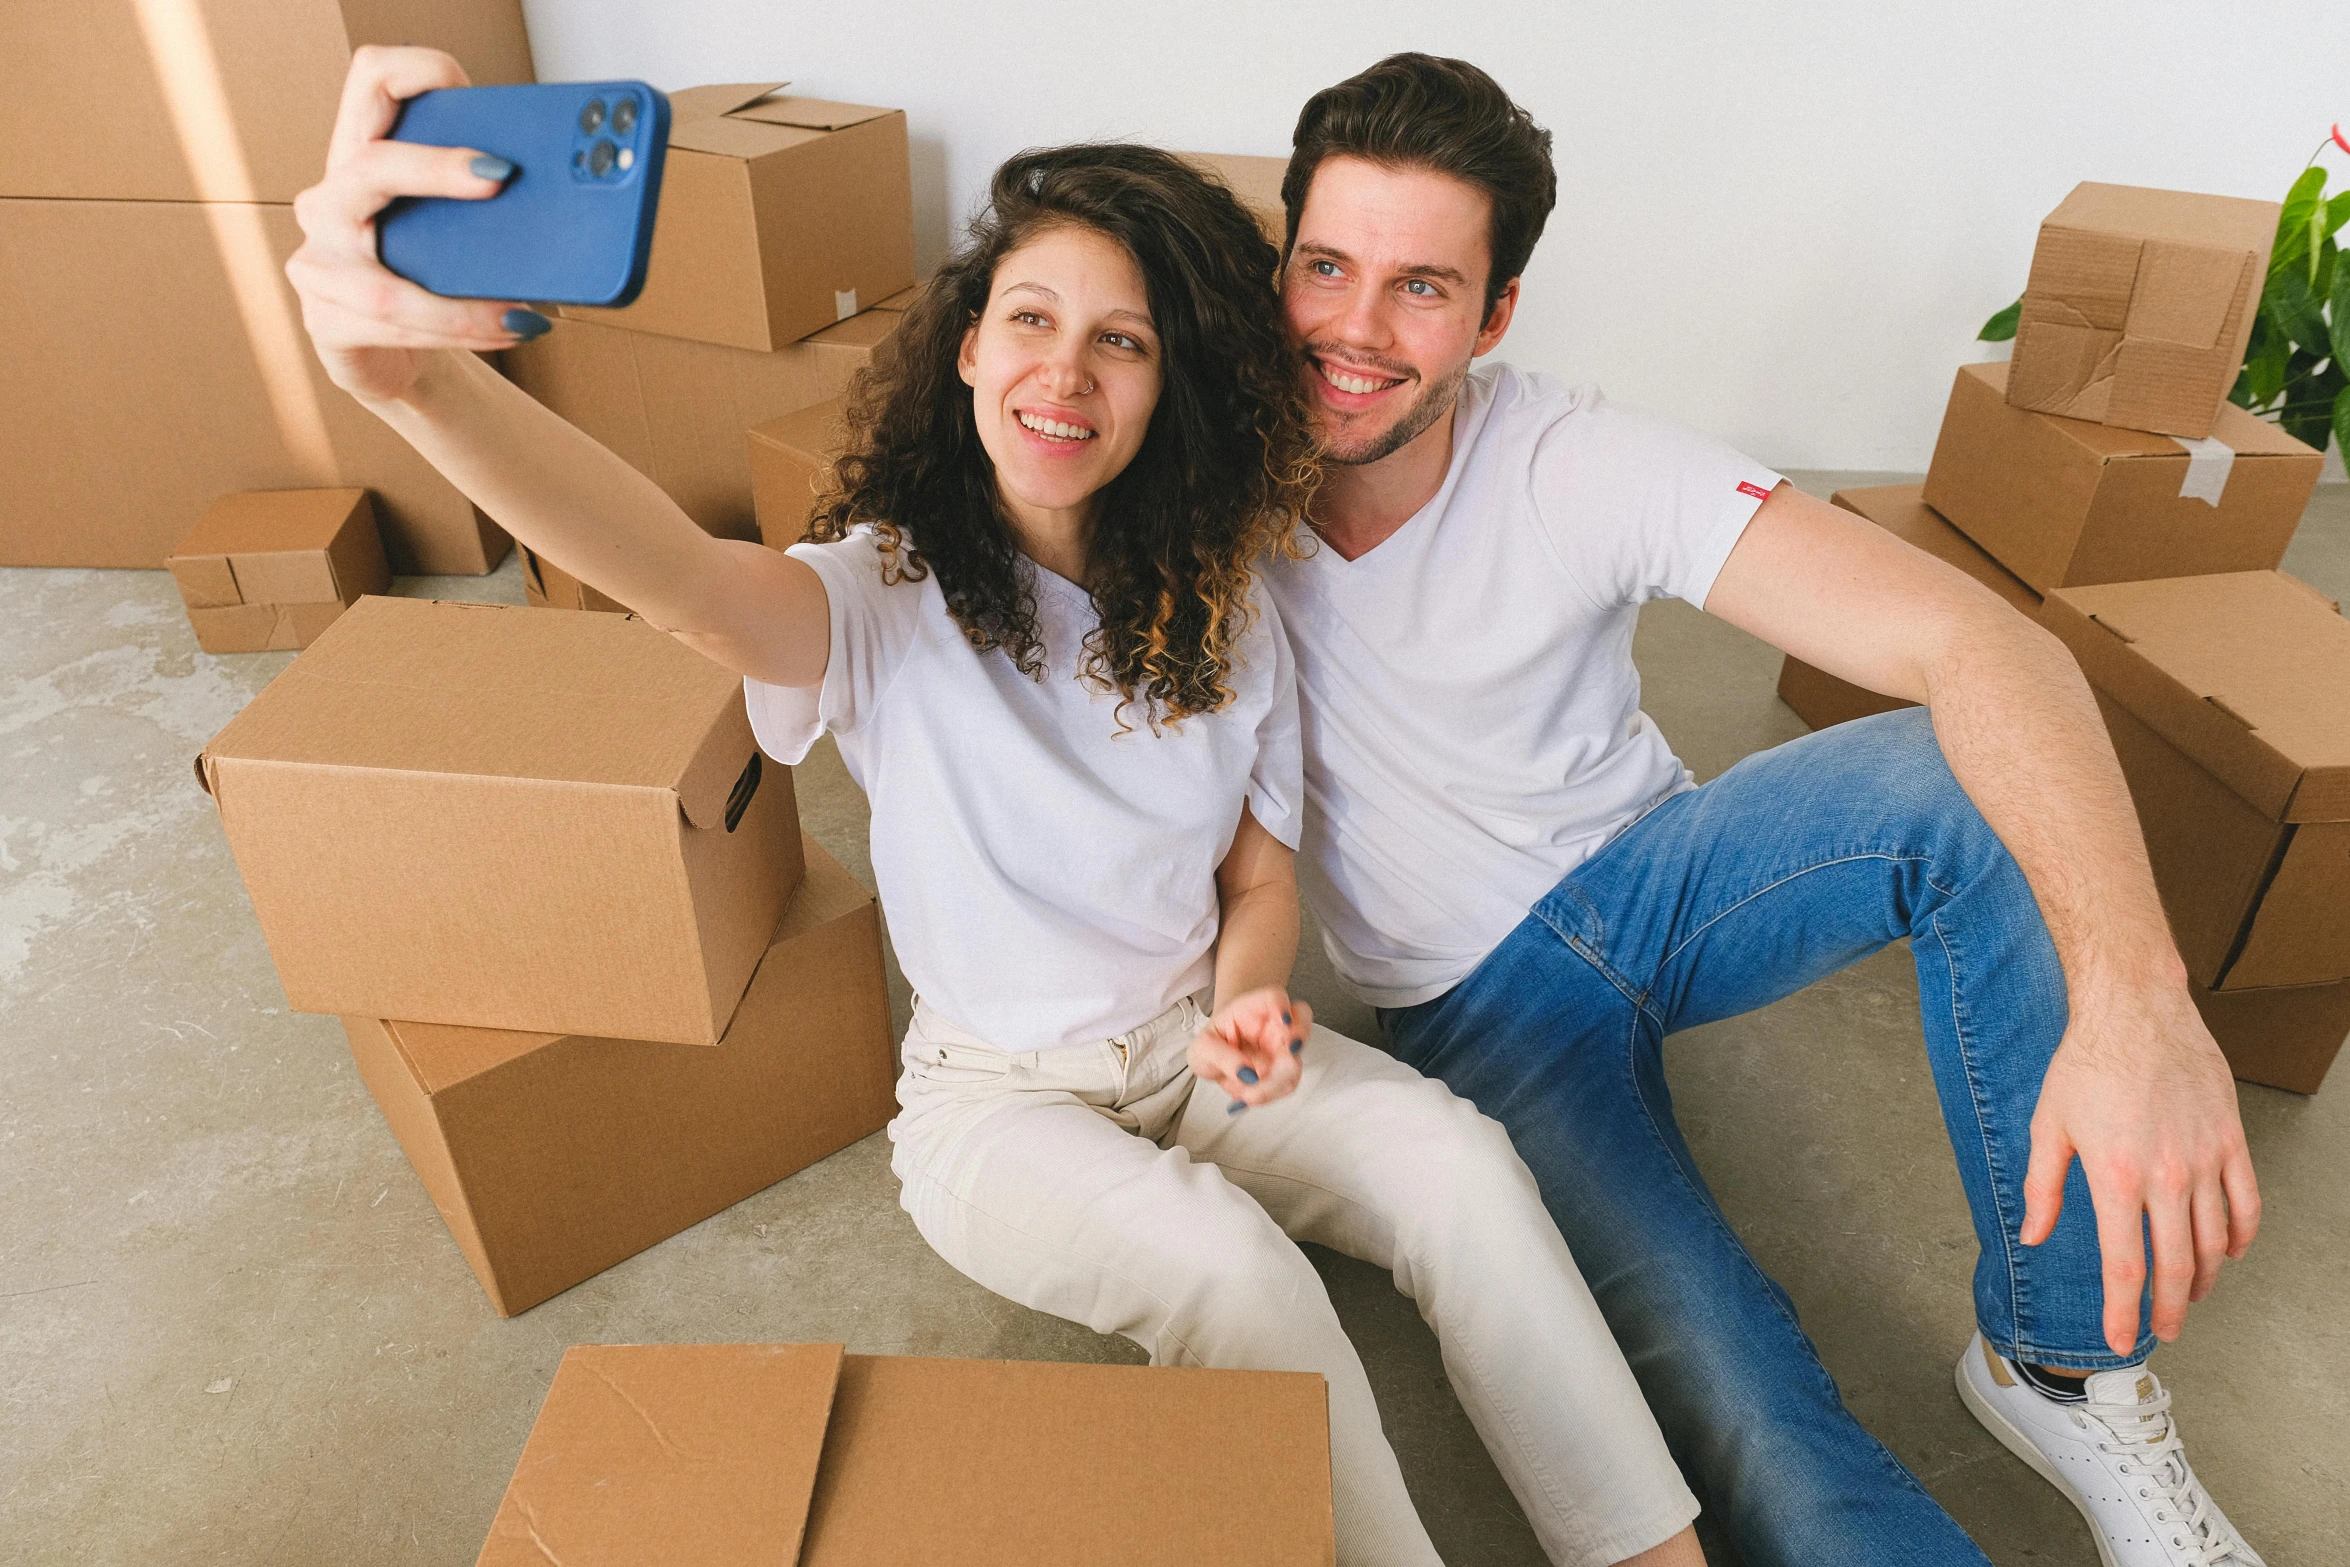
column 1029, row 617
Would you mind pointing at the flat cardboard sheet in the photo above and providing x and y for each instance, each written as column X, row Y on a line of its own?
column 2065, row 502
column 641, row 1453
column 2139, row 305
column 156, row 362
column 508, row 818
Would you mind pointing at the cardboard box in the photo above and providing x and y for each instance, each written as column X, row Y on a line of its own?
column 209, row 100
column 676, row 410
column 730, row 1455
column 2139, row 305
column 1821, row 699
column 1256, row 181
column 791, row 459
column 548, row 586
column 2282, row 1037
column 2228, row 699
column 779, row 216
column 272, row 569
column 2064, row 503
column 156, row 362
column 552, row 1157
column 508, row 818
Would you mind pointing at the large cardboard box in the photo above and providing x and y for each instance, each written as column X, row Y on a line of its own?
column 2284, row 1036
column 1821, row 699
column 2139, row 305
column 2063, row 502
column 552, row 1157
column 156, row 362
column 2228, row 698
column 791, row 458
column 676, row 410
column 208, row 100
column 271, row 570
column 779, row 216
column 1256, row 181
column 763, row 1455
column 508, row 818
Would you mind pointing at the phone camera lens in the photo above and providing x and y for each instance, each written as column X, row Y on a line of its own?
column 601, row 158
column 591, row 118
column 623, row 116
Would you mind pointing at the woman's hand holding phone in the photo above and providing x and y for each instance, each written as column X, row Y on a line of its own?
column 1252, row 1047
column 374, row 331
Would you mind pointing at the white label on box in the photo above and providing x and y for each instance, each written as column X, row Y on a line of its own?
column 2209, row 461
column 844, row 303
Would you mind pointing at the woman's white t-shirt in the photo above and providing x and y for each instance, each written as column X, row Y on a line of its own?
column 1049, row 878
column 1473, row 728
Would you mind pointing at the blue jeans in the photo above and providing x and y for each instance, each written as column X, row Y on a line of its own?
column 1793, row 864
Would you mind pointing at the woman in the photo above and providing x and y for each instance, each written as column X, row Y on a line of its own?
column 1028, row 615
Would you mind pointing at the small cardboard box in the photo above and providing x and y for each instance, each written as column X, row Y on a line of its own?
column 791, row 458
column 2228, row 699
column 2139, row 305
column 676, row 410
column 2282, row 1037
column 271, row 569
column 1256, row 181
column 1819, row 698
column 548, row 586
column 779, row 216
column 208, row 100
column 508, row 818
column 552, row 1157
column 765, row 1455
column 2065, row 503
column 156, row 361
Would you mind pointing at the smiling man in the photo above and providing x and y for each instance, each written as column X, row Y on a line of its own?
column 1511, row 864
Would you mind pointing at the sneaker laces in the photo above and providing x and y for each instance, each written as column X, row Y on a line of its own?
column 2155, row 1456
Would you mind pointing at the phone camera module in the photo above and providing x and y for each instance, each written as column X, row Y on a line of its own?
column 591, row 118
column 623, row 116
column 601, row 157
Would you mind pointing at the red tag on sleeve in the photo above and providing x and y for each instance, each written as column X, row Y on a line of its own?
column 1749, row 487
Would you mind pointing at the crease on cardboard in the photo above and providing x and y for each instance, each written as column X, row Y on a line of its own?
column 538, row 1541
column 2115, row 632
column 2215, row 701
column 652, row 1425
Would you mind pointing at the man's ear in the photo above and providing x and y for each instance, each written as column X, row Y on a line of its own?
column 1497, row 321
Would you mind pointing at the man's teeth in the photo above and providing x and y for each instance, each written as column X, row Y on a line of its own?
column 1353, row 383
column 1055, row 428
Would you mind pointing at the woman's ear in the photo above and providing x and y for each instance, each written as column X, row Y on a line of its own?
column 967, row 357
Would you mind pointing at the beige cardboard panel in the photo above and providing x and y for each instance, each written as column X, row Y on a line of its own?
column 2285, row 1038
column 139, row 393
column 2301, row 931
column 236, row 628
column 1822, row 700
column 407, row 1109
column 661, row 1455
column 835, row 222
column 549, row 586
column 2064, row 367
column 2185, row 293
column 205, row 581
column 703, row 278
column 791, row 459
column 213, row 100
column 267, row 521
column 357, row 555
column 2138, row 526
column 286, row 577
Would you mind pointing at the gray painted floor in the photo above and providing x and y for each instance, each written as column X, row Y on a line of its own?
column 233, row 1330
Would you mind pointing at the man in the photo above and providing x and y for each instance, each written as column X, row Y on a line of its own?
column 1510, row 863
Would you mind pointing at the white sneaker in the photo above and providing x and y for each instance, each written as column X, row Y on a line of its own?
column 2115, row 1455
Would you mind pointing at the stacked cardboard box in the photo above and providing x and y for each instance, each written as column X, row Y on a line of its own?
column 156, row 352
column 538, row 865
column 2102, row 477
column 729, row 1455
column 270, row 571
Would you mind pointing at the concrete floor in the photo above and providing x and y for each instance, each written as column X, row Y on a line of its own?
column 233, row 1329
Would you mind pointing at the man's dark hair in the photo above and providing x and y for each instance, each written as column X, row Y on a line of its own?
column 1420, row 111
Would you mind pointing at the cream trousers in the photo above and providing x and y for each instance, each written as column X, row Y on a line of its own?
column 1103, row 1183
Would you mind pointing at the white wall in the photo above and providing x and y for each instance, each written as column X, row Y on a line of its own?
column 1782, row 222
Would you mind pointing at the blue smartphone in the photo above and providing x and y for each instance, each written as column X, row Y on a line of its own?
column 574, row 224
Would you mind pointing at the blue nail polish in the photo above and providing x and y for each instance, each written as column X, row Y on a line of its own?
column 490, row 166
column 1248, row 1075
column 1284, row 1017
column 1297, row 1047
column 1238, row 1105
column 527, row 324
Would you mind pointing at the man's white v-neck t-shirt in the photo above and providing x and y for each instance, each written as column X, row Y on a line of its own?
column 1471, row 714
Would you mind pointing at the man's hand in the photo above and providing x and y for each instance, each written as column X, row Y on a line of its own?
column 1252, row 1047
column 2138, row 1090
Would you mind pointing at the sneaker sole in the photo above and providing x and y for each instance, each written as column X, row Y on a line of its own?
column 1990, row 1419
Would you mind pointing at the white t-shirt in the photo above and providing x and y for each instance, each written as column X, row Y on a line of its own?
column 1047, row 878
column 1472, row 717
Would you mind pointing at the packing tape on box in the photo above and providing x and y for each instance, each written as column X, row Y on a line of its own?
column 2209, row 461
column 844, row 303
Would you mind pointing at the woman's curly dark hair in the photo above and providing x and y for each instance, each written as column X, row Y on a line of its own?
column 1223, row 474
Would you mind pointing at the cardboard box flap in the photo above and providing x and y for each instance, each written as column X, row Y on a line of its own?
column 263, row 521
column 741, row 139
column 688, row 104
column 2247, row 672
column 484, row 690
column 2224, row 222
column 807, row 114
column 645, row 1453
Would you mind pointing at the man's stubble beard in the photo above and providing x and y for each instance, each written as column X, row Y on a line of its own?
column 1433, row 403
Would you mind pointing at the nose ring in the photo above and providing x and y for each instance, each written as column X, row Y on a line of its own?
column 1088, row 387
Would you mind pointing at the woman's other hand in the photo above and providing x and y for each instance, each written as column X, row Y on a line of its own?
column 1253, row 1047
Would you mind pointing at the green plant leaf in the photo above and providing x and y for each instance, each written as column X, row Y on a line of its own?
column 2340, row 325
column 2264, row 362
column 2293, row 224
column 2317, row 241
column 2342, row 419
column 2001, row 327
column 2295, row 309
column 2338, row 213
